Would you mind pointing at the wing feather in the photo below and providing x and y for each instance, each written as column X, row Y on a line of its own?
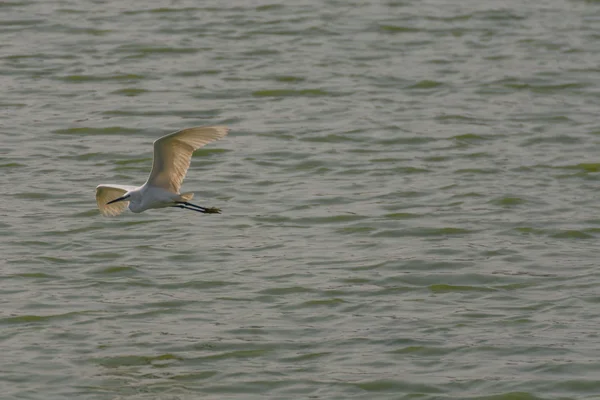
column 173, row 153
column 106, row 193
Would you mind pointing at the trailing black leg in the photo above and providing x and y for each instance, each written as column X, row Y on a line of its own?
column 189, row 208
column 195, row 207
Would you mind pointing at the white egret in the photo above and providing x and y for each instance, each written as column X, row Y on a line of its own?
column 172, row 156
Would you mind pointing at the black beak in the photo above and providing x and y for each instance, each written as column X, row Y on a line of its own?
column 118, row 199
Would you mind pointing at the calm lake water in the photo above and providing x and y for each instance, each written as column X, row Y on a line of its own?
column 409, row 190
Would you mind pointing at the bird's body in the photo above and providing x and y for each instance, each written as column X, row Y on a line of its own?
column 172, row 156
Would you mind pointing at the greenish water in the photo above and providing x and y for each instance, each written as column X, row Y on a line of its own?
column 409, row 190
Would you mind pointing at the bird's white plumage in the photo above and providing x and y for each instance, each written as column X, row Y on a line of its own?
column 173, row 153
column 172, row 157
column 108, row 192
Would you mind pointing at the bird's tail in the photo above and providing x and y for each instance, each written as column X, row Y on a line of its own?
column 187, row 196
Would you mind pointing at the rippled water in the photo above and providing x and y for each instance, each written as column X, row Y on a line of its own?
column 409, row 192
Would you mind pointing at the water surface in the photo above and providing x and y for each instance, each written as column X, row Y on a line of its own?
column 409, row 192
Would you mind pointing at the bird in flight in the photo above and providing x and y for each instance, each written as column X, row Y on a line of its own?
column 172, row 156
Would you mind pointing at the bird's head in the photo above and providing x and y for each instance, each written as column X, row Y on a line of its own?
column 128, row 195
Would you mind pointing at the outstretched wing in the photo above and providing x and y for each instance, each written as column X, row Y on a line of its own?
column 106, row 193
column 173, row 153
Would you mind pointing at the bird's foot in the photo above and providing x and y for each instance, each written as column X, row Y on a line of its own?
column 212, row 210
